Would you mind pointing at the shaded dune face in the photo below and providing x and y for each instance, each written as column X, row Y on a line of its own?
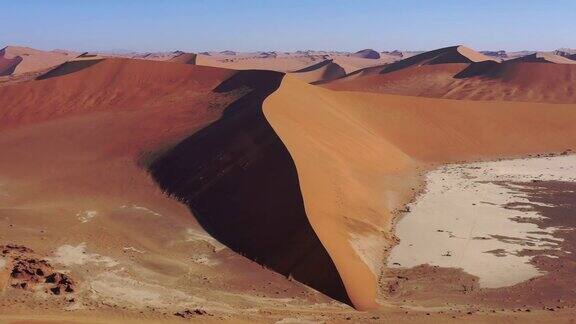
column 241, row 183
column 320, row 72
column 68, row 67
column 185, row 58
column 7, row 66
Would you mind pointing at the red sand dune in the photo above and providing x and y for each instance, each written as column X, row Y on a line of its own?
column 478, row 80
column 113, row 83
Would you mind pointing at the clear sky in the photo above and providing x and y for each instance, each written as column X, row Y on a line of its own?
column 249, row 25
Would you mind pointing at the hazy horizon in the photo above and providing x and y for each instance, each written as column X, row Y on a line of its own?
column 249, row 26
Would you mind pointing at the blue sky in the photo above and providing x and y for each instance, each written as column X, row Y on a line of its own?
column 247, row 25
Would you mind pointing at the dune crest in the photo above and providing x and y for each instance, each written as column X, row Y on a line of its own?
column 239, row 180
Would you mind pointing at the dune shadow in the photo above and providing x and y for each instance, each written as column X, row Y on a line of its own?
column 68, row 68
column 477, row 69
column 241, row 183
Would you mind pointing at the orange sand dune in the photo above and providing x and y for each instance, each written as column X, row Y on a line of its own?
column 240, row 181
column 356, row 153
column 18, row 60
column 321, row 72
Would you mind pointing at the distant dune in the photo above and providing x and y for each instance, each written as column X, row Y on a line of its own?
column 185, row 58
column 447, row 73
column 367, row 53
column 544, row 58
column 18, row 60
column 321, row 72
column 454, row 54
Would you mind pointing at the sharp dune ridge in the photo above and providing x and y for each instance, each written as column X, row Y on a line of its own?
column 302, row 179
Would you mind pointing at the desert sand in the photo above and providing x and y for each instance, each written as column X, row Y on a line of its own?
column 154, row 188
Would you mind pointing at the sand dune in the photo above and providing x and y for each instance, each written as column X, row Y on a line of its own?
column 81, row 62
column 454, row 54
column 74, row 150
column 185, row 58
column 542, row 57
column 368, row 142
column 240, row 159
column 19, row 60
column 480, row 80
column 321, row 72
column 367, row 53
column 113, row 83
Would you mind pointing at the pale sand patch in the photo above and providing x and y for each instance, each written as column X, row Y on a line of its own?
column 141, row 208
column 291, row 320
column 370, row 248
column 68, row 255
column 2, row 263
column 117, row 289
column 454, row 222
column 86, row 216
column 198, row 235
column 133, row 249
column 205, row 260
